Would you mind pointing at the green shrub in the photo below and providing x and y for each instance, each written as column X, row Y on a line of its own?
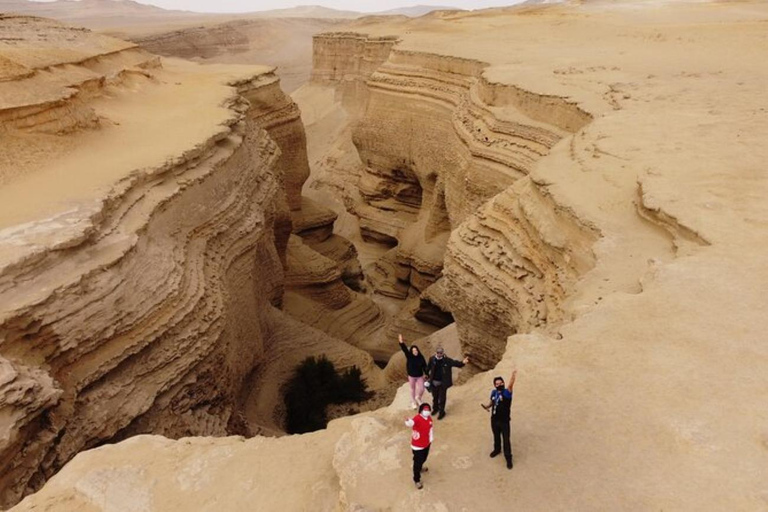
column 315, row 385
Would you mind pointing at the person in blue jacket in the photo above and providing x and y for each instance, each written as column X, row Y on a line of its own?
column 500, row 407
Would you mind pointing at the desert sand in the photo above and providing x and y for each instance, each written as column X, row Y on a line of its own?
column 576, row 191
column 276, row 37
column 285, row 43
column 279, row 38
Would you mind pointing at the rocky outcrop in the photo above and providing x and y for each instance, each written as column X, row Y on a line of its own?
column 146, row 301
column 347, row 59
column 633, row 251
column 510, row 267
column 436, row 141
column 348, row 56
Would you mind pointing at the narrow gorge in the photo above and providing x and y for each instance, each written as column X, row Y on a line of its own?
column 176, row 238
column 443, row 178
column 148, row 299
column 179, row 304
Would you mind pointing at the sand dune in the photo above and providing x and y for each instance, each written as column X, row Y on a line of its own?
column 282, row 42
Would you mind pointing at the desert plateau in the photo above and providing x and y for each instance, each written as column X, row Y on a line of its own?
column 215, row 226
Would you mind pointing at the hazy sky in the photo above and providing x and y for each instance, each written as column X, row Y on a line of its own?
column 354, row 5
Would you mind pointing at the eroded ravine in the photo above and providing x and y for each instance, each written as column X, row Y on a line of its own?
column 407, row 199
column 435, row 165
column 513, row 195
column 141, row 289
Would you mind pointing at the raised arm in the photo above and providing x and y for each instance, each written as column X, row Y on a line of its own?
column 402, row 345
column 512, row 380
column 461, row 363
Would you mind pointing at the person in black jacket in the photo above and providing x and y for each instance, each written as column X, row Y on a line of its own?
column 416, row 367
column 440, row 372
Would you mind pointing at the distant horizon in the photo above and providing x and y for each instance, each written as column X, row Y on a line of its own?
column 363, row 6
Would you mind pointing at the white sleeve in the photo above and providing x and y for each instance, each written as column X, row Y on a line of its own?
column 408, row 423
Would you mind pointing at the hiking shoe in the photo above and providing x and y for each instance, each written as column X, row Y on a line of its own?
column 419, row 485
column 509, row 464
column 441, row 415
column 495, row 453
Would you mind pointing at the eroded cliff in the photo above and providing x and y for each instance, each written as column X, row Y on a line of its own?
column 436, row 140
column 603, row 198
column 143, row 246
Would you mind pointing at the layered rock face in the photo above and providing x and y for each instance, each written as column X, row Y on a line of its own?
column 436, row 140
column 139, row 269
column 346, row 59
column 633, row 250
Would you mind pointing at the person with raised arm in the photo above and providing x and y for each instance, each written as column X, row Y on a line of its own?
column 416, row 368
column 440, row 372
column 500, row 407
column 421, row 440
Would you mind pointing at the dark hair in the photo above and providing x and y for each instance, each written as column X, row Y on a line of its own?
column 425, row 406
column 415, row 347
column 498, row 378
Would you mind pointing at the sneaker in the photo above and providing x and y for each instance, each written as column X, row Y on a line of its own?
column 414, row 406
column 509, row 464
column 441, row 415
column 495, row 453
column 419, row 485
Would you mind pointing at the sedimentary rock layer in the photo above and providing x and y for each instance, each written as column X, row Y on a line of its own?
column 346, row 59
column 137, row 283
column 436, row 140
column 644, row 231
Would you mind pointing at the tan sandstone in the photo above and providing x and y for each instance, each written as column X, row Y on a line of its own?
column 591, row 183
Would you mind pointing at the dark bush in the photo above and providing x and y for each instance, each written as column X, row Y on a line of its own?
column 315, row 385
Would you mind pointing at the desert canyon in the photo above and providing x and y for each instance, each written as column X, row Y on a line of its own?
column 192, row 205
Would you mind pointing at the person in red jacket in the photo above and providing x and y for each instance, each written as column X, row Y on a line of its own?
column 421, row 440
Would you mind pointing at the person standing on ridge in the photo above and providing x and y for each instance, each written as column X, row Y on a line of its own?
column 500, row 407
column 421, row 440
column 416, row 367
column 440, row 372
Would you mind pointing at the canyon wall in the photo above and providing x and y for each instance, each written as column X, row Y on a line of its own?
column 437, row 140
column 346, row 59
column 631, row 244
column 139, row 284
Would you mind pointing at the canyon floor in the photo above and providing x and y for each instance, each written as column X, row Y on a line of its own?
column 581, row 188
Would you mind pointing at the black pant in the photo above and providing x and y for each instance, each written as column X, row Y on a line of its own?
column 419, row 458
column 500, row 427
column 440, row 395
